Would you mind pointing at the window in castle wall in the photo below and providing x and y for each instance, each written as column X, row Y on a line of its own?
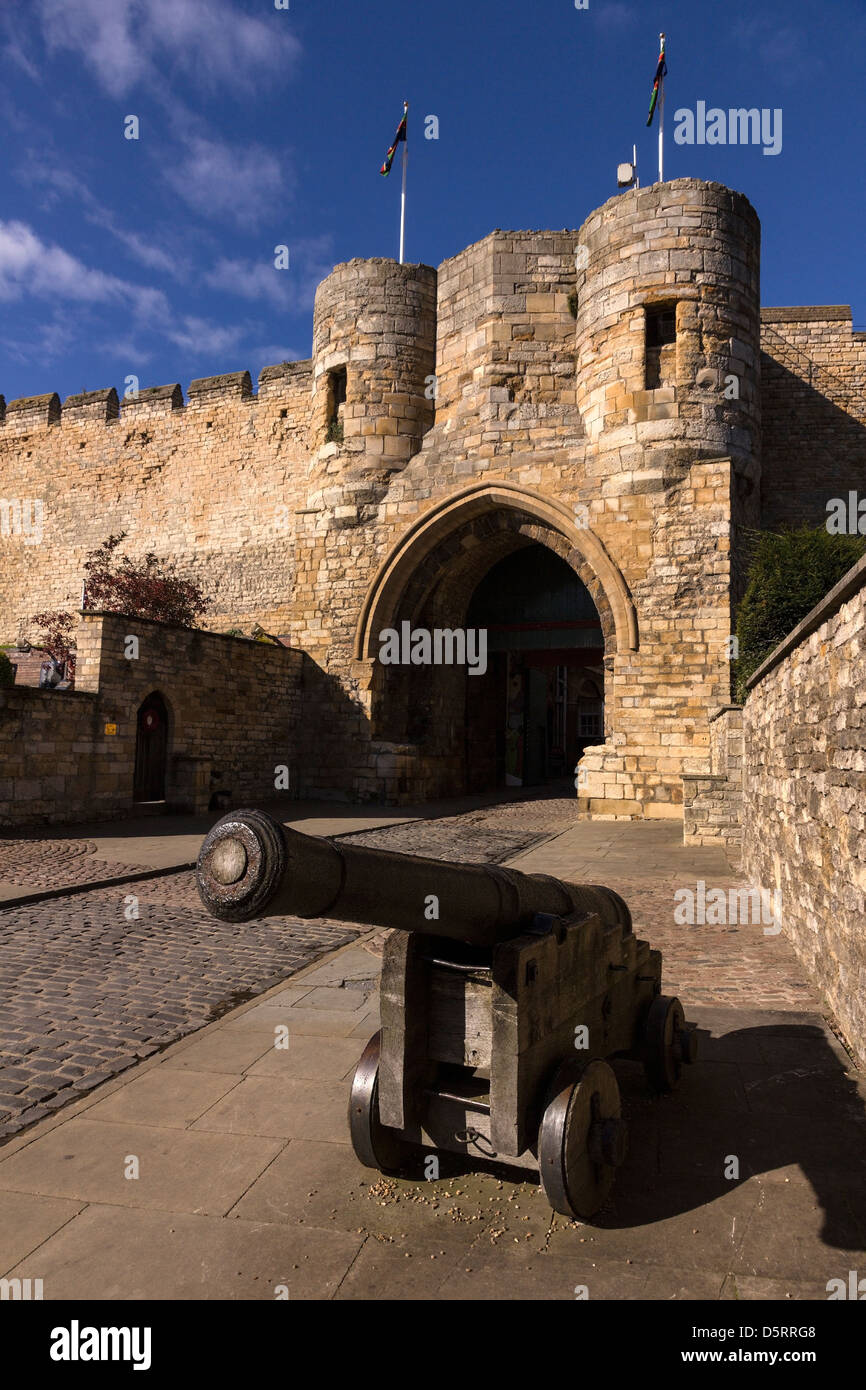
column 661, row 345
column 336, row 402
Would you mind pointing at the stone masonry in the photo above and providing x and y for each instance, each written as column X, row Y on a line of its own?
column 598, row 392
column 233, row 708
column 804, row 827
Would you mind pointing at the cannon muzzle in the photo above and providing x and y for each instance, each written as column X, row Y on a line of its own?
column 251, row 866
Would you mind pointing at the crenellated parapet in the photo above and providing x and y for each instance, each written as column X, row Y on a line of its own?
column 289, row 379
column 210, row 390
column 153, row 401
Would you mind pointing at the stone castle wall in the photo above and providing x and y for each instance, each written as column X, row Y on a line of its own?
column 804, row 827
column 212, row 483
column 513, row 397
column 233, row 707
column 814, row 409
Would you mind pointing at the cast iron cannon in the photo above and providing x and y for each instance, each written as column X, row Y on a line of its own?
column 503, row 996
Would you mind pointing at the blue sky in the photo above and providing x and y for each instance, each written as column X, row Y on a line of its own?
column 262, row 127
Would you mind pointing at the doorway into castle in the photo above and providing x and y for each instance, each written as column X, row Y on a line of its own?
column 522, row 715
column 541, row 700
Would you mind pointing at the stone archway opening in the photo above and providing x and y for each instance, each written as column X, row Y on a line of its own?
column 550, row 635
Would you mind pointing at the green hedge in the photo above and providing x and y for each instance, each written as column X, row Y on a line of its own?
column 7, row 675
column 789, row 573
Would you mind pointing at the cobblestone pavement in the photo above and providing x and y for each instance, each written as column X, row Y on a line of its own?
column 489, row 835
column 56, row 863
column 716, row 965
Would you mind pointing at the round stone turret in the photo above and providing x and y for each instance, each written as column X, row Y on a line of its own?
column 668, row 326
column 374, row 359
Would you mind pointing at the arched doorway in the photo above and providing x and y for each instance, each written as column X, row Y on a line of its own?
column 425, row 717
column 527, row 718
column 151, row 749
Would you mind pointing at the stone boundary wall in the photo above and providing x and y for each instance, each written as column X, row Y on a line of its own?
column 804, row 810
column 233, row 713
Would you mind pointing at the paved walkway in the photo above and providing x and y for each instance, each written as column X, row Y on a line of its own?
column 223, row 1163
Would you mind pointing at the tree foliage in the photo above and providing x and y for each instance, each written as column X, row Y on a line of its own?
column 789, row 573
column 152, row 589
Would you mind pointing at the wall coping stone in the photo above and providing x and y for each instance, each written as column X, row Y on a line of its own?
column 725, row 709
column 823, row 313
column 848, row 585
column 180, row 627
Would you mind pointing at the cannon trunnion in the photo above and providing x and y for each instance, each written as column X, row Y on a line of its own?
column 498, row 1015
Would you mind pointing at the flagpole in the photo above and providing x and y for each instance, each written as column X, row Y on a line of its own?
column 403, row 193
column 662, row 120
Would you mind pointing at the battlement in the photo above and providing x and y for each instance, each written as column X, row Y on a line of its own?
column 30, row 413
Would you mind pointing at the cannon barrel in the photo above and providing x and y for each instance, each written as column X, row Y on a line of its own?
column 251, row 866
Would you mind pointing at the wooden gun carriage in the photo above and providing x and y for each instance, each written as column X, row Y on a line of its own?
column 503, row 996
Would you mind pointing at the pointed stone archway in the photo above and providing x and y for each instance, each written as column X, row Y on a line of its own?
column 429, row 578
column 445, row 537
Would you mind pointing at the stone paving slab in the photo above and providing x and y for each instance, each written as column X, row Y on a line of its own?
column 154, row 1255
column 180, row 1170
column 26, row 1221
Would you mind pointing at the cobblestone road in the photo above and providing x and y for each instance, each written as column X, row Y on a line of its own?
column 85, row 993
column 56, row 863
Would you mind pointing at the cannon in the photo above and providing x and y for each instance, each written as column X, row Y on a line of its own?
column 503, row 997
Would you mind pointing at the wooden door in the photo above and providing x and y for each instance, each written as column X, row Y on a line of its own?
column 151, row 749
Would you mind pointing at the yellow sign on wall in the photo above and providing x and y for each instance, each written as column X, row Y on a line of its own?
column 111, row 728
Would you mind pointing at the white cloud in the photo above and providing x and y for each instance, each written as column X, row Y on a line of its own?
column 614, row 15
column 787, row 51
column 30, row 266
column 238, row 182
column 251, row 280
column 129, row 42
column 46, row 172
column 201, row 336
column 271, row 355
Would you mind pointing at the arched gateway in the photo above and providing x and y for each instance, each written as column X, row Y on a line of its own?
column 555, row 611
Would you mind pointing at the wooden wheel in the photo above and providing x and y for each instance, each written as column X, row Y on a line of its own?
column 374, row 1145
column 582, row 1139
column 668, row 1043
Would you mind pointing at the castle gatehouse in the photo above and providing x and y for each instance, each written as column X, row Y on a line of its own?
column 559, row 438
